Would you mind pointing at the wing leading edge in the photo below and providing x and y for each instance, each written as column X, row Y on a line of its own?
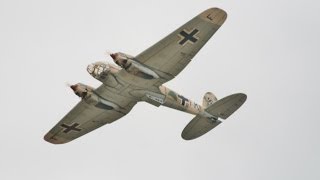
column 171, row 55
column 84, row 118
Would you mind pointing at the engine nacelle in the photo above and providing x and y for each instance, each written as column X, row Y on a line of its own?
column 132, row 66
column 81, row 90
column 87, row 94
column 121, row 59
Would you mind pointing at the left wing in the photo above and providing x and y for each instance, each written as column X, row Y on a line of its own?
column 84, row 118
column 170, row 56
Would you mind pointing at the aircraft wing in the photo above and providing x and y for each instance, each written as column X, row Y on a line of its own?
column 84, row 118
column 171, row 55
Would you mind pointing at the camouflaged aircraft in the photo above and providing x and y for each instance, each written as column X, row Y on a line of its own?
column 141, row 78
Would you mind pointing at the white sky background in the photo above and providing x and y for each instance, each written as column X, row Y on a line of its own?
column 266, row 49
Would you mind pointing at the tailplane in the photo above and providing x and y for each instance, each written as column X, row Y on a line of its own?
column 223, row 108
column 227, row 105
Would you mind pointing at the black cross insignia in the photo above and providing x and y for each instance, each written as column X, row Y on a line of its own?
column 183, row 100
column 69, row 128
column 188, row 36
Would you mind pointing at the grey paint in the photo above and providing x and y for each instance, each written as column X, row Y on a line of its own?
column 268, row 49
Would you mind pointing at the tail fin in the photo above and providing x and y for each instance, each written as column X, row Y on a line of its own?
column 208, row 99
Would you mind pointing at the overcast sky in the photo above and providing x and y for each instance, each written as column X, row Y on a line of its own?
column 266, row 49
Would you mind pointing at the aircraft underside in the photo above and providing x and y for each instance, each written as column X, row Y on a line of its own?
column 141, row 78
column 108, row 75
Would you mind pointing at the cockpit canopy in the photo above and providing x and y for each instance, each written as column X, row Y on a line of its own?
column 99, row 70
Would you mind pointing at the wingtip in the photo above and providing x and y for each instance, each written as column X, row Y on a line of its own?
column 186, row 137
column 244, row 96
column 50, row 138
column 214, row 15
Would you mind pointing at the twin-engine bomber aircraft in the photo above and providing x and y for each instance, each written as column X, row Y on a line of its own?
column 140, row 78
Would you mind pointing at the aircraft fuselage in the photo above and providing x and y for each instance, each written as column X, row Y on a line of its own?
column 113, row 79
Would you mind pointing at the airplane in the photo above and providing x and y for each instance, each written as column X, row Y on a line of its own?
column 141, row 78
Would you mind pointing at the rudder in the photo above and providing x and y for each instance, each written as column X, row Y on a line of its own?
column 208, row 99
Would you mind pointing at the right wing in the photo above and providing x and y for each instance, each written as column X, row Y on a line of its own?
column 84, row 118
column 172, row 54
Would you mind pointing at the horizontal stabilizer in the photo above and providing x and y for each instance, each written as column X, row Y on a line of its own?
column 223, row 108
column 198, row 126
column 227, row 105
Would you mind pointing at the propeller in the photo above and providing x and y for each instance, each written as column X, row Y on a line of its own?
column 109, row 53
column 113, row 56
column 72, row 86
column 68, row 84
